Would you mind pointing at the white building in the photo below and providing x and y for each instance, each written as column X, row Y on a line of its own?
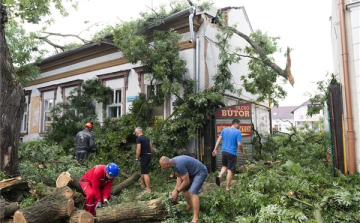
column 301, row 117
column 65, row 71
column 282, row 118
column 345, row 35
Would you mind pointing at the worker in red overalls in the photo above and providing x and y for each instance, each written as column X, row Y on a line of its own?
column 96, row 184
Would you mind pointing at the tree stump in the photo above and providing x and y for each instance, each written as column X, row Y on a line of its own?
column 81, row 216
column 126, row 183
column 143, row 210
column 66, row 179
column 58, row 205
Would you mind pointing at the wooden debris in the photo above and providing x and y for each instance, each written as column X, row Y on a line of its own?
column 153, row 210
column 59, row 205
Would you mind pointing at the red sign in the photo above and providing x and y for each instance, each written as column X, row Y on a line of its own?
column 236, row 111
column 245, row 129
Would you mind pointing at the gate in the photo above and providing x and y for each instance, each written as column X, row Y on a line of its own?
column 224, row 117
column 336, row 123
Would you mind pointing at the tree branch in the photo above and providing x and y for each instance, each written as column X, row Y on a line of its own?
column 241, row 55
column 65, row 35
column 258, row 135
column 285, row 73
column 190, row 2
column 56, row 46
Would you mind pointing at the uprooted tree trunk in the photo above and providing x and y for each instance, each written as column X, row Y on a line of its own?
column 126, row 183
column 57, row 206
column 11, row 105
column 81, row 216
column 153, row 210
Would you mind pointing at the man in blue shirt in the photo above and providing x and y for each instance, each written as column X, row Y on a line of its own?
column 191, row 174
column 232, row 141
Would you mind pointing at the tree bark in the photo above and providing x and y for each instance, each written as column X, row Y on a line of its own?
column 66, row 179
column 81, row 216
column 10, row 208
column 126, row 183
column 59, row 205
column 143, row 210
column 11, row 106
column 12, row 189
column 41, row 190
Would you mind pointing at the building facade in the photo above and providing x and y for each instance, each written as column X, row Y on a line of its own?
column 62, row 73
column 345, row 35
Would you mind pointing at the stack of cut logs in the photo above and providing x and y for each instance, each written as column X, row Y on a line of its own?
column 58, row 204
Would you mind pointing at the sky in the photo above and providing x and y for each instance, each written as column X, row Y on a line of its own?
column 303, row 25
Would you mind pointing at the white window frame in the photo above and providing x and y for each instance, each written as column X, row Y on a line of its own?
column 76, row 84
column 114, row 103
column 25, row 116
column 45, row 91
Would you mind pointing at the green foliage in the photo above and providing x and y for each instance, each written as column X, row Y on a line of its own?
column 70, row 117
column 320, row 100
column 262, row 80
column 25, row 47
column 223, row 77
column 41, row 161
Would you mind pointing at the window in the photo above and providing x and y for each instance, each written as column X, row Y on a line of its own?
column 152, row 89
column 115, row 103
column 48, row 105
column 68, row 88
column 67, row 92
column 25, row 116
column 48, row 95
column 157, row 113
column 118, row 82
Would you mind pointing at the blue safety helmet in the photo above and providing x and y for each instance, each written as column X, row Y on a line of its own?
column 112, row 169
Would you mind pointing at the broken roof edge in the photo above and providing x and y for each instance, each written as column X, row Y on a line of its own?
column 245, row 13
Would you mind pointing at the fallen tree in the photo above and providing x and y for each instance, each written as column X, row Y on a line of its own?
column 57, row 206
column 153, row 210
column 126, row 183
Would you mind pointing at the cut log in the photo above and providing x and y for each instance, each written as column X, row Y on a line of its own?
column 58, row 205
column 8, row 182
column 12, row 189
column 153, row 210
column 10, row 208
column 126, row 183
column 81, row 216
column 66, row 179
column 13, row 184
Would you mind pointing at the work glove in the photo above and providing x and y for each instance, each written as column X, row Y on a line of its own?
column 98, row 205
column 137, row 162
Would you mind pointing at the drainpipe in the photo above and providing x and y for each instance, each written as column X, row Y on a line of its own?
column 197, row 88
column 191, row 24
column 349, row 117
